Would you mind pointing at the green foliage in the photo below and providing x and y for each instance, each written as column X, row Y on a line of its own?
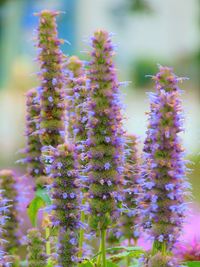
column 40, row 200
column 36, row 204
column 86, row 263
column 193, row 263
column 42, row 193
column 140, row 69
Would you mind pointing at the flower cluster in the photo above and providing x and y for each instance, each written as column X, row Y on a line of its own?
column 165, row 168
column 33, row 147
column 36, row 256
column 4, row 211
column 7, row 184
column 132, row 190
column 76, row 99
column 62, row 169
column 162, row 261
column 105, row 133
column 51, row 91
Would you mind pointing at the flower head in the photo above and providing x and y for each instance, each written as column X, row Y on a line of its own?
column 7, row 184
column 65, row 201
column 105, row 142
column 132, row 178
column 36, row 256
column 33, row 148
column 165, row 179
column 51, row 92
column 4, row 211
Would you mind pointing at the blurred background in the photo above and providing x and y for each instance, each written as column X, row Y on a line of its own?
column 146, row 32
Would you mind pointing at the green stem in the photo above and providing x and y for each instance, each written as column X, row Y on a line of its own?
column 128, row 258
column 159, row 246
column 99, row 256
column 103, row 247
column 81, row 236
column 48, row 245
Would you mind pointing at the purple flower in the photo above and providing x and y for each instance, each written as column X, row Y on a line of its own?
column 107, row 166
column 105, row 145
column 65, row 201
column 131, row 218
column 50, row 98
column 9, row 191
column 4, row 211
column 164, row 170
column 51, row 77
column 36, row 255
column 32, row 152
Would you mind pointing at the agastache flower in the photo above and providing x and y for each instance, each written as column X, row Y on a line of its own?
column 131, row 218
column 5, row 205
column 76, row 98
column 165, row 180
column 33, row 148
column 36, row 256
column 65, row 201
column 51, row 91
column 162, row 261
column 7, row 184
column 105, row 142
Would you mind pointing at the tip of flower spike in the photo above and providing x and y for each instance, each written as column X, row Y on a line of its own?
column 48, row 13
column 100, row 35
column 75, row 65
column 6, row 173
column 166, row 79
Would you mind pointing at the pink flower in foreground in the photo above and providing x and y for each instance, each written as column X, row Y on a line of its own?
column 188, row 246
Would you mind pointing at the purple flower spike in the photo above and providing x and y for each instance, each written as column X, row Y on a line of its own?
column 9, row 191
column 131, row 218
column 66, row 214
column 165, row 179
column 36, row 255
column 77, row 96
column 33, row 148
column 4, row 212
column 105, row 145
column 51, row 92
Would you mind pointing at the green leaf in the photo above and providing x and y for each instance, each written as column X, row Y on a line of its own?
column 120, row 256
column 43, row 193
column 111, row 264
column 86, row 263
column 193, row 263
column 138, row 250
column 33, row 208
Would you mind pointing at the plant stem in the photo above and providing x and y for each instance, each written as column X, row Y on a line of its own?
column 81, row 235
column 103, row 247
column 48, row 245
column 128, row 258
column 99, row 256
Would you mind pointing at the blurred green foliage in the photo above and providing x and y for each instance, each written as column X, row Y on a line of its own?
column 139, row 69
column 194, row 176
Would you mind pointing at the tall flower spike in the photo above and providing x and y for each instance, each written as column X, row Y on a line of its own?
column 36, row 256
column 51, row 90
column 77, row 96
column 7, row 184
column 105, row 134
column 65, row 202
column 76, row 99
column 131, row 219
column 33, row 149
column 4, row 211
column 166, row 184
